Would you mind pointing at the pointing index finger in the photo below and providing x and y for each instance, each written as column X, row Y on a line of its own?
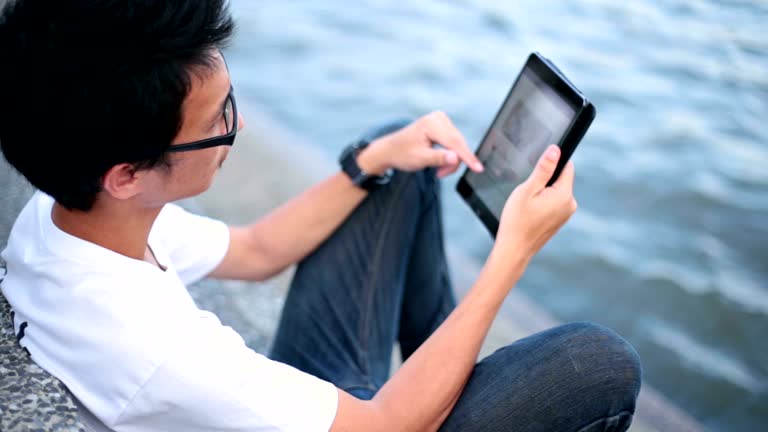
column 446, row 133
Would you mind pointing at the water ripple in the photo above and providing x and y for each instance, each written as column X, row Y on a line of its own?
column 706, row 359
column 671, row 179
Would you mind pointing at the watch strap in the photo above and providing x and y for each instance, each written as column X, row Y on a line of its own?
column 348, row 162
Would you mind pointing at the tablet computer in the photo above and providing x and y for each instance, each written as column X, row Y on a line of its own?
column 542, row 108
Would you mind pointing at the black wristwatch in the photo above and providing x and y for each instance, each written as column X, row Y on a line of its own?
column 348, row 162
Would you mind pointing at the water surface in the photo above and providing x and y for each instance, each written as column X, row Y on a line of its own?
column 669, row 244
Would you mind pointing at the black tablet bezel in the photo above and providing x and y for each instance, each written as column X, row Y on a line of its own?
column 573, row 138
column 585, row 113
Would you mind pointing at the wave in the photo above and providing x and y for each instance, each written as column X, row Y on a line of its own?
column 711, row 266
column 707, row 360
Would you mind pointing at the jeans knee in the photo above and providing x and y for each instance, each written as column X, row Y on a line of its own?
column 613, row 363
column 424, row 184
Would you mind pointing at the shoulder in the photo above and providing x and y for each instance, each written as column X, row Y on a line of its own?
column 106, row 336
column 27, row 223
column 176, row 227
column 194, row 244
column 173, row 217
column 217, row 383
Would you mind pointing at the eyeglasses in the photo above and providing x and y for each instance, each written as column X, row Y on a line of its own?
column 230, row 119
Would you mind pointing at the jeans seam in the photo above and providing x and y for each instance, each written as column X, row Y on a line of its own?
column 373, row 274
column 590, row 425
column 431, row 195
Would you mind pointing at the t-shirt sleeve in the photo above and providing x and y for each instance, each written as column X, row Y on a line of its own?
column 214, row 382
column 196, row 245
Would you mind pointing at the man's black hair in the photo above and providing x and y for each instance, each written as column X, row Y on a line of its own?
column 89, row 84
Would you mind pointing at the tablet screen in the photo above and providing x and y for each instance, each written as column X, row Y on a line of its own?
column 532, row 118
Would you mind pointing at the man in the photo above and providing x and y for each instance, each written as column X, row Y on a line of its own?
column 115, row 109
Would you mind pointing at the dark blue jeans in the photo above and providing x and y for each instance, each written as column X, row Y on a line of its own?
column 382, row 278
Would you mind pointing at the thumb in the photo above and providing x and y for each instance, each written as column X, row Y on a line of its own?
column 544, row 169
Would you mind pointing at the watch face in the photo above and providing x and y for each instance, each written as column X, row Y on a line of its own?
column 386, row 177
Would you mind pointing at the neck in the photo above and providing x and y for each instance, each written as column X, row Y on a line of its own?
column 114, row 226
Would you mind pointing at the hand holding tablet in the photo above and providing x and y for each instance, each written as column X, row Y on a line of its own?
column 542, row 108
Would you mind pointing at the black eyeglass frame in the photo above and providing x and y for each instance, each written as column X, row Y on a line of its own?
column 227, row 139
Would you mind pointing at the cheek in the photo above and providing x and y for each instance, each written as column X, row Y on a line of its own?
column 189, row 175
column 195, row 173
column 156, row 181
column 204, row 164
column 224, row 153
column 215, row 161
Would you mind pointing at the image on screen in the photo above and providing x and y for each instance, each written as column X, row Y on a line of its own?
column 533, row 118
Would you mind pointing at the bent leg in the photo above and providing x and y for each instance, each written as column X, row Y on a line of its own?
column 343, row 310
column 428, row 298
column 578, row 377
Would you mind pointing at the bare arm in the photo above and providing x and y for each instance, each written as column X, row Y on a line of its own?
column 424, row 390
column 422, row 393
column 292, row 231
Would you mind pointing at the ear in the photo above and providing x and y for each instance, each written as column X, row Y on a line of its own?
column 122, row 181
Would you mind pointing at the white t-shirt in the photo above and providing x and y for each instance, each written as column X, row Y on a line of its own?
column 129, row 342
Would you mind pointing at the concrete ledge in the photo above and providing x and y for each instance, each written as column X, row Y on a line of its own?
column 30, row 398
